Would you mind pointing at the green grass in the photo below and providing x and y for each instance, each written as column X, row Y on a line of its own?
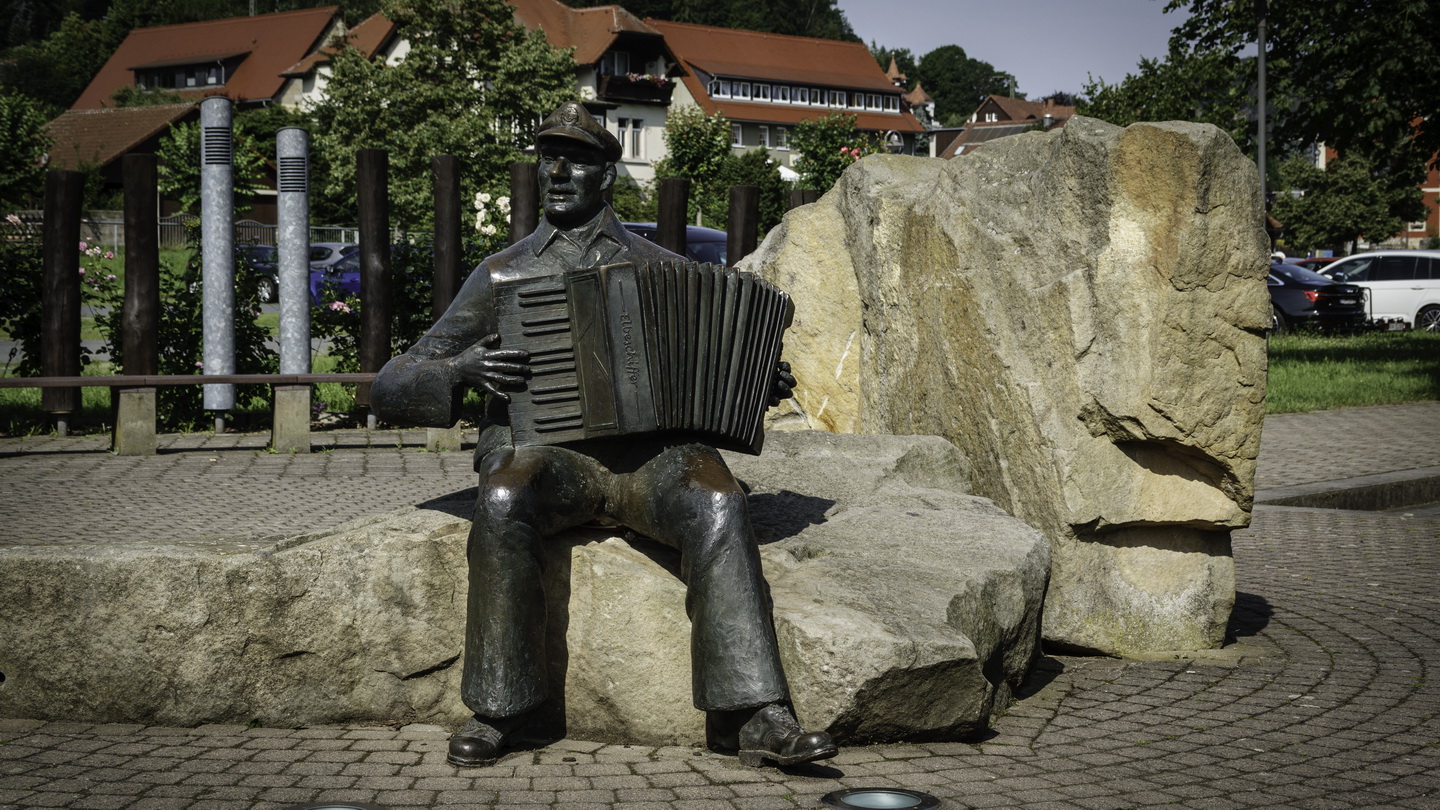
column 1315, row 373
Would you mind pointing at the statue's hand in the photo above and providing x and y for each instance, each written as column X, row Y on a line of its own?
column 489, row 367
column 784, row 384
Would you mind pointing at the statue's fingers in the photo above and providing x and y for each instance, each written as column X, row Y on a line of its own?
column 497, row 367
column 494, row 391
column 512, row 355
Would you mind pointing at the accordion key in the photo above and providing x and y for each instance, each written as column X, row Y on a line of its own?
column 648, row 347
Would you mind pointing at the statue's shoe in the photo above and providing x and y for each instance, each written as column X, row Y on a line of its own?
column 773, row 735
column 478, row 743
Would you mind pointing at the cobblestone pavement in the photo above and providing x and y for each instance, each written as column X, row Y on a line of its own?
column 1326, row 699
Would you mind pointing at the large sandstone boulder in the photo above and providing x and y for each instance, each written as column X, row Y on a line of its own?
column 1082, row 312
column 905, row 609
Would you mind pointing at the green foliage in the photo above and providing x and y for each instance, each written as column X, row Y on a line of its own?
column 55, row 70
column 754, row 168
column 473, row 85
column 633, row 201
column 828, row 146
column 958, row 82
column 1340, row 203
column 1207, row 87
column 21, row 269
column 699, row 147
column 179, row 170
column 22, row 130
column 134, row 96
column 822, row 19
column 1312, row 373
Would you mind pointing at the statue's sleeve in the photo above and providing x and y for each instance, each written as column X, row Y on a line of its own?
column 420, row 387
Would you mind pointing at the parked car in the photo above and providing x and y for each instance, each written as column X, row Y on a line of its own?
column 1301, row 298
column 1315, row 263
column 332, row 282
column 325, row 254
column 263, row 264
column 701, row 244
column 1403, row 284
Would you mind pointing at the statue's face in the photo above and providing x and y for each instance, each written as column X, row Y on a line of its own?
column 572, row 178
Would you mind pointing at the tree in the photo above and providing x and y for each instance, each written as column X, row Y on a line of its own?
column 179, row 170
column 474, row 84
column 1323, row 208
column 1356, row 76
column 56, row 70
column 958, row 82
column 698, row 147
column 1183, row 87
column 827, row 146
column 22, row 168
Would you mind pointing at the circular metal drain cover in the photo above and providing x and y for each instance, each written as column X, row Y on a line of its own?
column 880, row 799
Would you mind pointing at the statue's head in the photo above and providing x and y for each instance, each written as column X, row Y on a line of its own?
column 577, row 164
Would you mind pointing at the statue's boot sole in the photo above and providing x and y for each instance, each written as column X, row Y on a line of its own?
column 756, row 758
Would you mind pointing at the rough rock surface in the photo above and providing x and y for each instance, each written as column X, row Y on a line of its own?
column 905, row 609
column 1082, row 312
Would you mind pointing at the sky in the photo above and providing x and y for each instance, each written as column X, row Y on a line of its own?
column 1047, row 45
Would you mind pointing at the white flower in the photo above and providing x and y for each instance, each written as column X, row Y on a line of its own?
column 488, row 230
column 480, row 221
column 482, row 197
column 504, row 203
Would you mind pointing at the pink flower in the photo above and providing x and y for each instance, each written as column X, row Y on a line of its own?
column 199, row 364
column 843, row 151
column 110, row 254
column 82, row 271
column 339, row 306
column 84, row 245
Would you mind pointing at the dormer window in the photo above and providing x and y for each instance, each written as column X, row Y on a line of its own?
column 615, row 63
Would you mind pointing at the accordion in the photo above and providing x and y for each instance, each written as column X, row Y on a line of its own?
column 648, row 347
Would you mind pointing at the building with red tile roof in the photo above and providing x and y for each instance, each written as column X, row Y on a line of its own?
column 243, row 58
column 997, row 117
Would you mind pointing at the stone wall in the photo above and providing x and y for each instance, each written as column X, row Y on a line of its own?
column 1082, row 312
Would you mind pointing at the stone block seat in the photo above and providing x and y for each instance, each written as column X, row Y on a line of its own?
column 905, row 609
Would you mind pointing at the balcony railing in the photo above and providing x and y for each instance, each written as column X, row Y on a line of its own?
column 622, row 87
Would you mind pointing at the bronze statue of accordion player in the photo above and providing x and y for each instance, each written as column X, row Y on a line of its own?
column 614, row 369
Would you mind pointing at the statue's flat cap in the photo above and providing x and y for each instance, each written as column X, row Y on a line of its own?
column 573, row 122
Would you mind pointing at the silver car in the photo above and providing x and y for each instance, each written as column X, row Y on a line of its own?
column 325, row 254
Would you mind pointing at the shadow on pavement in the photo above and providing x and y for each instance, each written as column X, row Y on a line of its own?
column 1250, row 615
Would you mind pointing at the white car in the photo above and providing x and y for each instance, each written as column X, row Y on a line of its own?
column 1402, row 284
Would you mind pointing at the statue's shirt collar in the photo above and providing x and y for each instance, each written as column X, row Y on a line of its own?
column 602, row 235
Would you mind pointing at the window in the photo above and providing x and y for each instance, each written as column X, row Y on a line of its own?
column 720, row 88
column 1357, row 270
column 764, row 136
column 1416, row 227
column 1433, row 265
column 762, row 92
column 992, row 117
column 615, row 63
column 742, row 90
column 802, row 95
column 631, row 136
column 782, row 139
column 1394, row 268
column 817, row 97
column 782, row 93
column 737, row 135
column 892, row 103
column 872, row 101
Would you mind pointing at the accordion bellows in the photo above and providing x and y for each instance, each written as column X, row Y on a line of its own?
column 647, row 347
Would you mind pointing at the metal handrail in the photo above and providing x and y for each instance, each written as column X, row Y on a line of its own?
column 154, row 380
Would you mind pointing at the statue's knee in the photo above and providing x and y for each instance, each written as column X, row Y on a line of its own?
column 500, row 502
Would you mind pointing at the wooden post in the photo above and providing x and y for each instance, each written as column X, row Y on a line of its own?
column 743, row 224
column 140, row 318
column 372, row 174
column 446, row 169
column 797, row 197
column 60, row 293
column 670, row 220
column 524, row 200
